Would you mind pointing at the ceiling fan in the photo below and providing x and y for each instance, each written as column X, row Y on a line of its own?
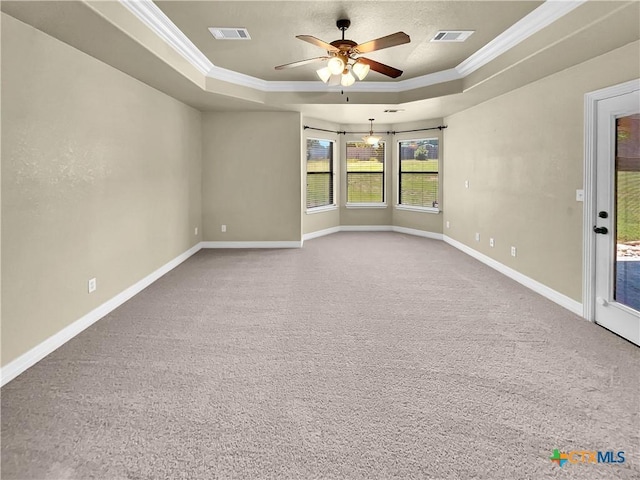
column 343, row 60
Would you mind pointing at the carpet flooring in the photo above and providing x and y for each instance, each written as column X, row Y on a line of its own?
column 360, row 356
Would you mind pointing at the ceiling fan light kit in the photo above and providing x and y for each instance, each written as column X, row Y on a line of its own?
column 347, row 79
column 361, row 70
column 343, row 65
column 336, row 65
column 324, row 74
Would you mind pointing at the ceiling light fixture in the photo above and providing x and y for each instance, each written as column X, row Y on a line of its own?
column 340, row 66
column 347, row 78
column 324, row 74
column 336, row 65
column 360, row 69
column 371, row 139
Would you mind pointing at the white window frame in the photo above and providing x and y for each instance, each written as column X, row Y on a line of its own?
column 331, row 206
column 416, row 208
column 385, row 176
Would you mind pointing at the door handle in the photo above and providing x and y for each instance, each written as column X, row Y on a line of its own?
column 602, row 230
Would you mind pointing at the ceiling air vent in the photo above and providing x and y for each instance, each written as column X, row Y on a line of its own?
column 230, row 33
column 452, row 35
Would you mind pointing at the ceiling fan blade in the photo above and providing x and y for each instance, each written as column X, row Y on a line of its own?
column 381, row 67
column 318, row 43
column 392, row 40
column 300, row 63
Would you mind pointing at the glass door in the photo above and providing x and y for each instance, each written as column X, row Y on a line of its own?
column 617, row 226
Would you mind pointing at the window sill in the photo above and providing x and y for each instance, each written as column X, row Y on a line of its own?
column 418, row 209
column 366, row 205
column 324, row 208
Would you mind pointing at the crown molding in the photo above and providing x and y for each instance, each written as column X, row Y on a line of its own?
column 156, row 20
column 544, row 15
column 547, row 13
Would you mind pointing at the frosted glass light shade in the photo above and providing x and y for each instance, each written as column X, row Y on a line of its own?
column 334, row 81
column 324, row 74
column 347, row 79
column 335, row 65
column 371, row 140
column 361, row 70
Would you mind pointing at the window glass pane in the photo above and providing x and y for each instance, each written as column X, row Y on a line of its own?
column 364, row 187
column 319, row 165
column 319, row 173
column 419, row 189
column 365, row 172
column 319, row 191
column 419, row 155
column 418, row 180
column 627, row 279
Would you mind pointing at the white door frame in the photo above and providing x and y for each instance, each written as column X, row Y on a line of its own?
column 589, row 212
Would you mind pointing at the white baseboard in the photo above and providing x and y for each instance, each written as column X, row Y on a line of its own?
column 320, row 233
column 37, row 353
column 372, row 228
column 268, row 244
column 418, row 233
column 366, row 228
column 553, row 295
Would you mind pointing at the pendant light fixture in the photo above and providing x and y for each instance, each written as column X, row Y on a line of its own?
column 371, row 139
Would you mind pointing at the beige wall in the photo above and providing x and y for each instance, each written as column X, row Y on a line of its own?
column 316, row 221
column 251, row 176
column 522, row 154
column 100, row 178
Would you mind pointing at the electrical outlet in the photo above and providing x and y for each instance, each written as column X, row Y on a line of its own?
column 466, row 184
column 477, row 237
column 448, row 224
column 492, row 243
column 195, row 232
column 513, row 251
column 92, row 284
column 223, row 228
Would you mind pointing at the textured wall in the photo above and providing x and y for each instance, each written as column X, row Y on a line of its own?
column 100, row 178
column 252, row 176
column 522, row 154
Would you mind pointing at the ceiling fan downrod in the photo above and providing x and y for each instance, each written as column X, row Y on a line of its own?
column 343, row 24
